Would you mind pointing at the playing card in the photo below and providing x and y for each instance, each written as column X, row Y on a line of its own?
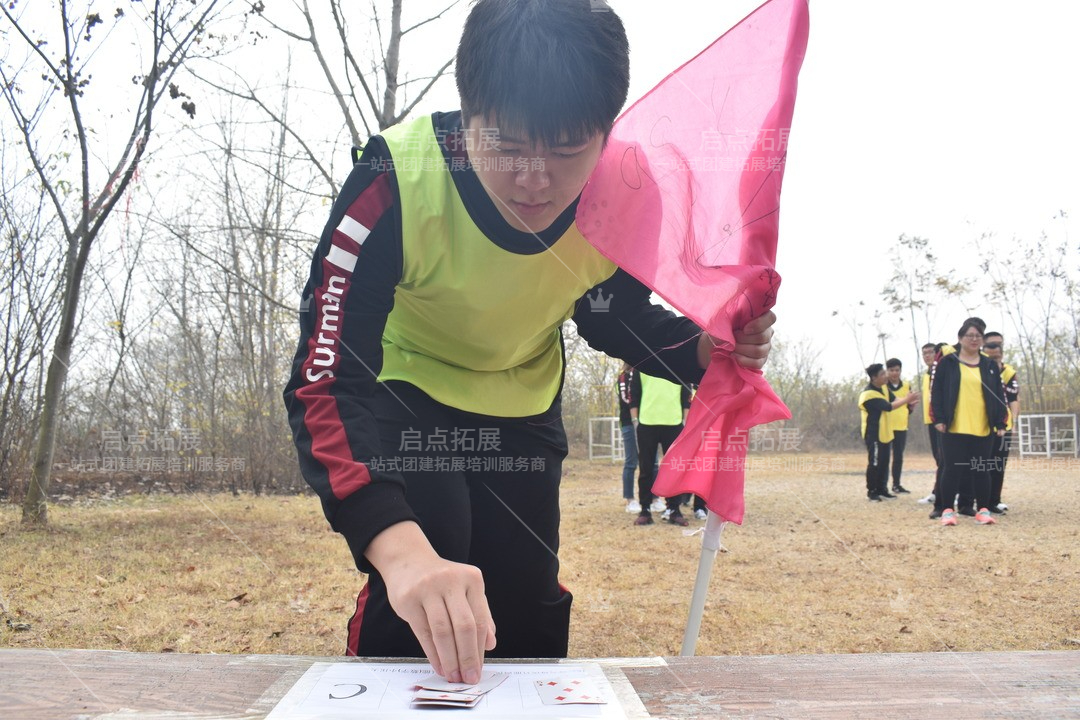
column 568, row 691
column 489, row 680
column 446, row 703
column 447, row 696
column 460, row 700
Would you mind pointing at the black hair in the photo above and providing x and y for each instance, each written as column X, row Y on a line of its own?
column 893, row 362
column 931, row 345
column 969, row 324
column 992, row 333
column 975, row 322
column 556, row 71
column 874, row 369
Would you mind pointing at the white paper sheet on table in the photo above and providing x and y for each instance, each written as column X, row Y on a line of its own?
column 383, row 691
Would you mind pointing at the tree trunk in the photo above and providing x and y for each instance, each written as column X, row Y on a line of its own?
column 393, row 50
column 35, row 510
column 35, row 504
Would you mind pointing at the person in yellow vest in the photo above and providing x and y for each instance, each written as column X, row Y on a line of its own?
column 424, row 398
column 898, row 420
column 875, row 404
column 968, row 408
column 658, row 410
column 929, row 353
column 993, row 348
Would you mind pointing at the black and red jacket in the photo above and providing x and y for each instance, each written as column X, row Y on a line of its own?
column 360, row 502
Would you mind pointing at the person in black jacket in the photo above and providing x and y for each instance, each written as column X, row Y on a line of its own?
column 424, row 397
column 629, row 436
column 992, row 348
column 967, row 405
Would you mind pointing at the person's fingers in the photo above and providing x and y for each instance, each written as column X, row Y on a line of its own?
column 469, row 653
column 762, row 324
column 753, row 342
column 485, row 625
column 423, row 634
column 752, row 356
column 753, row 350
column 753, row 363
column 442, row 637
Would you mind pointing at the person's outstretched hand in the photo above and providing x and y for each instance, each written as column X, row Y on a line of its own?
column 753, row 343
column 442, row 601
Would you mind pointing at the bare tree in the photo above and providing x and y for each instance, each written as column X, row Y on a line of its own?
column 917, row 286
column 65, row 134
column 1031, row 288
column 366, row 82
column 28, row 293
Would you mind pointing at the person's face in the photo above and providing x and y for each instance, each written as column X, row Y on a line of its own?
column 879, row 379
column 928, row 356
column 993, row 347
column 531, row 184
column 893, row 374
column 971, row 340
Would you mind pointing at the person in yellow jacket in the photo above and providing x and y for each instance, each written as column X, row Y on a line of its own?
column 898, row 420
column 875, row 404
column 967, row 403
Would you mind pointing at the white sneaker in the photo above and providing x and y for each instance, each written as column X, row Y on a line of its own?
column 658, row 505
column 633, row 506
column 928, row 500
column 701, row 514
column 666, row 514
column 1002, row 507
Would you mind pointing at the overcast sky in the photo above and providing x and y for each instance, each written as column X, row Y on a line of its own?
column 946, row 119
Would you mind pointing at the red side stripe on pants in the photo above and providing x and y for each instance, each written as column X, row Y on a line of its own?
column 353, row 643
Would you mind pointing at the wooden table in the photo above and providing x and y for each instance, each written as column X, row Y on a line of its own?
column 97, row 683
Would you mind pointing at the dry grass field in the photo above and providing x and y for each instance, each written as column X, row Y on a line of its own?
column 814, row 569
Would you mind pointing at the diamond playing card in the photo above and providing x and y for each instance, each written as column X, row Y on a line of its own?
column 460, row 700
column 568, row 691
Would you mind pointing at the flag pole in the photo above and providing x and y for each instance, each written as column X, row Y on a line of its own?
column 710, row 543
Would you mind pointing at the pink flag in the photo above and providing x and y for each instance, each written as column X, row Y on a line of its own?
column 686, row 198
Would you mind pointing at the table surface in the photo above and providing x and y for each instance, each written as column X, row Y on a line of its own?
column 99, row 683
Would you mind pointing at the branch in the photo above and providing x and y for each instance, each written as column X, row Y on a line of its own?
column 423, row 92
column 350, row 62
column 39, row 168
column 252, row 97
column 154, row 88
column 6, row 9
column 430, row 19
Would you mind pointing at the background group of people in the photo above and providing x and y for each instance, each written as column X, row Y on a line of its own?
column 652, row 412
column 970, row 400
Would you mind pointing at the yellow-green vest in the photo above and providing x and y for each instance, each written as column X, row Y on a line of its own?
column 475, row 326
column 898, row 418
column 661, row 402
column 885, row 433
